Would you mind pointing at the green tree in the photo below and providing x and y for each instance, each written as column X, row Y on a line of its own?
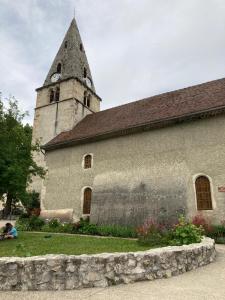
column 17, row 166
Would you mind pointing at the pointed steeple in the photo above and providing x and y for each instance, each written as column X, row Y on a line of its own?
column 71, row 60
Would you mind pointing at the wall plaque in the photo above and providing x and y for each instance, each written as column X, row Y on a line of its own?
column 221, row 189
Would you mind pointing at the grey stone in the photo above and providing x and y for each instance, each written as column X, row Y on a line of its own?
column 59, row 272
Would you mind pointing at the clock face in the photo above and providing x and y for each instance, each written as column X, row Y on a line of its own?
column 55, row 77
column 88, row 82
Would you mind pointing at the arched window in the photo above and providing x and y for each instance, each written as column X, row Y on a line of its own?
column 203, row 193
column 57, row 94
column 66, row 44
column 85, row 98
column 81, row 47
column 87, row 201
column 85, row 72
column 51, row 96
column 59, row 68
column 87, row 161
column 89, row 100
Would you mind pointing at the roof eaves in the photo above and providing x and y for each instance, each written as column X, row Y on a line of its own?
column 134, row 129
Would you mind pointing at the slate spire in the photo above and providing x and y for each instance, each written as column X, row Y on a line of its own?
column 71, row 60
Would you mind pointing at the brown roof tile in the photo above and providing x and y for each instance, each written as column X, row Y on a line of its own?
column 154, row 111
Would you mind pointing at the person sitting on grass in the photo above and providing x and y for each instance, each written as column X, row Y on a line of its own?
column 9, row 232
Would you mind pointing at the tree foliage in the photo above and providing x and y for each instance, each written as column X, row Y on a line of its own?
column 17, row 166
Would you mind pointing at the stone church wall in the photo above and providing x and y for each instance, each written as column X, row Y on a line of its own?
column 53, row 118
column 143, row 175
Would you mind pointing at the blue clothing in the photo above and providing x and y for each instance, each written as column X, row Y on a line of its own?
column 13, row 232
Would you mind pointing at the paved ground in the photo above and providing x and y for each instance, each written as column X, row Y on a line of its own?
column 3, row 222
column 204, row 283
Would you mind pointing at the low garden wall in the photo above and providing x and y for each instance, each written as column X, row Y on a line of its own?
column 59, row 272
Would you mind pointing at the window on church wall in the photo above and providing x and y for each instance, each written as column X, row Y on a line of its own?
column 203, row 193
column 59, row 68
column 57, row 94
column 87, row 161
column 81, row 47
column 87, row 201
column 51, row 96
column 66, row 44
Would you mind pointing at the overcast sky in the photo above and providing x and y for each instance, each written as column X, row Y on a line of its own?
column 135, row 48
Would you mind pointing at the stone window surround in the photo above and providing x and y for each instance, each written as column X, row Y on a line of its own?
column 211, row 189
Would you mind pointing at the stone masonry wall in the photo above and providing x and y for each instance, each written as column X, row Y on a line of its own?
column 61, row 272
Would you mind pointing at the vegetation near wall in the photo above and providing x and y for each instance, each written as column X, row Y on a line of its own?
column 151, row 233
column 17, row 166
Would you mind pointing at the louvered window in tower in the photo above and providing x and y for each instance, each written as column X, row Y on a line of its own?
column 87, row 201
column 89, row 100
column 59, row 68
column 203, row 193
column 51, row 96
column 85, row 98
column 57, row 94
column 85, row 72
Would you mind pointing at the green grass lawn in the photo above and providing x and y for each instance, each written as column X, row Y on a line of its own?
column 29, row 244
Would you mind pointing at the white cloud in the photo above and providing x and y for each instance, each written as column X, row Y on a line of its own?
column 135, row 48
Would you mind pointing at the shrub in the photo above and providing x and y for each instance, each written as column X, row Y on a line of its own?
column 156, row 234
column 31, row 201
column 84, row 227
column 152, row 233
column 185, row 233
column 30, row 224
column 200, row 221
column 217, row 231
column 53, row 225
column 220, row 240
column 117, row 231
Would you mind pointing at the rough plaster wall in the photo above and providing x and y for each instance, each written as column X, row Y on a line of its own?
column 135, row 196
column 136, row 175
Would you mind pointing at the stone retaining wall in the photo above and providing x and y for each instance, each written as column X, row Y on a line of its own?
column 59, row 272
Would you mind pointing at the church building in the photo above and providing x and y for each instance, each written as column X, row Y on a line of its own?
column 157, row 157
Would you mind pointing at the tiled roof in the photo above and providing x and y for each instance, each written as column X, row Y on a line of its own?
column 197, row 101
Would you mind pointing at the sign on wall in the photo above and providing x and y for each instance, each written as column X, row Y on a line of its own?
column 221, row 189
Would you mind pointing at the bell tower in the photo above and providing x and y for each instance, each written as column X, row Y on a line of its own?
column 66, row 97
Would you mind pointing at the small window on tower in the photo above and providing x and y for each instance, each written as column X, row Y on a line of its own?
column 57, row 94
column 66, row 44
column 89, row 100
column 59, row 67
column 81, row 47
column 85, row 98
column 51, row 96
column 85, row 72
